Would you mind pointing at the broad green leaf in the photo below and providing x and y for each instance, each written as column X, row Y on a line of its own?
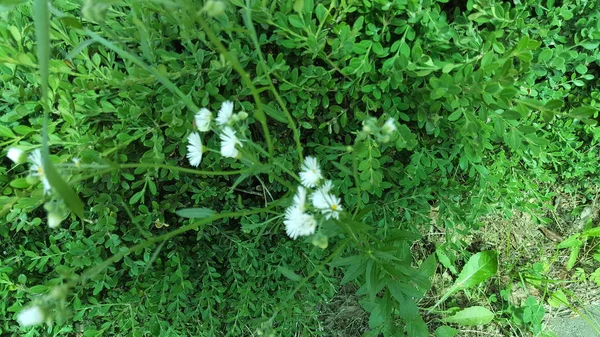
column 570, row 242
column 573, row 257
column 471, row 316
column 558, row 299
column 289, row 273
column 445, row 331
column 196, row 213
column 479, row 268
column 554, row 104
column 583, row 112
column 593, row 232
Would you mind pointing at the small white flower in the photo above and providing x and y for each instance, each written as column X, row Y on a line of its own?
column 300, row 198
column 311, row 172
column 225, row 113
column 38, row 169
column 228, row 142
column 298, row 223
column 16, row 155
column 194, row 149
column 318, row 197
column 327, row 203
column 54, row 220
column 77, row 162
column 389, row 126
column 31, row 316
column 202, row 120
column 335, row 207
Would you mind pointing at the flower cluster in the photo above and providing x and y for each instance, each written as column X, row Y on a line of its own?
column 299, row 221
column 230, row 143
column 383, row 133
column 37, row 173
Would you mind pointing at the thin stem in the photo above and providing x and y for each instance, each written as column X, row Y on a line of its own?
column 93, row 271
column 135, row 59
column 263, row 63
column 259, row 113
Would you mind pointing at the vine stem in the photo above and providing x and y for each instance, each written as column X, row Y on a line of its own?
column 93, row 271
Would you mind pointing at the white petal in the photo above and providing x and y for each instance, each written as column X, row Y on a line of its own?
column 225, row 113
column 228, row 143
column 194, row 149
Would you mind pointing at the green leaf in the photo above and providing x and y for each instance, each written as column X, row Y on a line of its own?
column 298, row 6
column 455, row 115
column 554, row 104
column 445, row 331
column 471, row 316
column 582, row 112
column 592, row 232
column 545, row 55
column 289, row 274
column 479, row 268
column 573, row 258
column 570, row 242
column 6, row 132
column 558, row 299
column 195, row 213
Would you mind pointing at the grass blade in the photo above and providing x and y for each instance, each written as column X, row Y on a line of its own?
column 42, row 35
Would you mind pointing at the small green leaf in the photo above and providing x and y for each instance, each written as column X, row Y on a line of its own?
column 545, row 55
column 455, row 115
column 196, row 213
column 298, row 6
column 471, row 316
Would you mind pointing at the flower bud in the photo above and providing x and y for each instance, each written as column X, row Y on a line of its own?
column 31, row 316
column 214, row 7
column 16, row 155
column 388, row 127
column 54, row 219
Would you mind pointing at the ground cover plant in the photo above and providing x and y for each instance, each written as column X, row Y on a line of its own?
column 305, row 168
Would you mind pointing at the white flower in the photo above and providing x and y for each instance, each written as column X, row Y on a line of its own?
column 311, row 172
column 31, row 316
column 225, row 113
column 298, row 223
column 228, row 142
column 389, row 126
column 327, row 203
column 54, row 220
column 300, row 199
column 16, row 155
column 38, row 169
column 202, row 120
column 318, row 197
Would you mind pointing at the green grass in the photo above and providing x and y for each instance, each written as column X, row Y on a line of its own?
column 493, row 107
